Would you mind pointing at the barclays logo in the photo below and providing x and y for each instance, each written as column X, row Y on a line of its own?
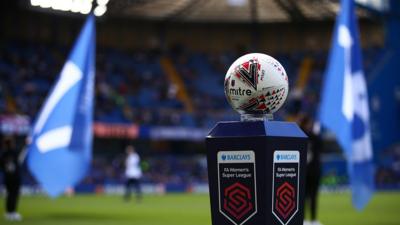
column 236, row 157
column 287, row 157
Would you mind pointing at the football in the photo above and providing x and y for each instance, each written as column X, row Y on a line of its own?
column 256, row 84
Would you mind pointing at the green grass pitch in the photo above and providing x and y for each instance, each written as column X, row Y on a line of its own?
column 184, row 209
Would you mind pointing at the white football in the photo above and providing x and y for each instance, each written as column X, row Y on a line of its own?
column 256, row 84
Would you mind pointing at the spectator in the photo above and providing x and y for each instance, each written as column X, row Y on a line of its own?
column 12, row 178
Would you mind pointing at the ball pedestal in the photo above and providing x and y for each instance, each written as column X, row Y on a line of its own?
column 256, row 173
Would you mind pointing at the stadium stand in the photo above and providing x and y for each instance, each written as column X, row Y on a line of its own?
column 133, row 87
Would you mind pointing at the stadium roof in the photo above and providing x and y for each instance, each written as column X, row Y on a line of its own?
column 225, row 11
column 263, row 11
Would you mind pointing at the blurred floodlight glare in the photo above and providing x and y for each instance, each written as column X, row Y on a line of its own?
column 75, row 6
column 35, row 2
column 45, row 3
column 100, row 10
column 62, row 5
column 102, row 2
column 86, row 7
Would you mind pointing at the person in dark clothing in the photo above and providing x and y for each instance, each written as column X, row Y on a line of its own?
column 313, row 175
column 10, row 167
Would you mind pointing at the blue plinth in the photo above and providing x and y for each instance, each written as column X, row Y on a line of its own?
column 256, row 173
column 256, row 128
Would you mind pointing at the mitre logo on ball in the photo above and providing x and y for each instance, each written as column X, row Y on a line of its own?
column 256, row 84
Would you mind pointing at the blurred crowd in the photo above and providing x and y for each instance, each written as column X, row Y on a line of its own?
column 171, row 169
column 132, row 87
column 178, row 172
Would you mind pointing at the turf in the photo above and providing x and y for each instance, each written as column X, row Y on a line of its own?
column 185, row 209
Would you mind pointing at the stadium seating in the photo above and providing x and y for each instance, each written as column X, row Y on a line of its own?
column 132, row 87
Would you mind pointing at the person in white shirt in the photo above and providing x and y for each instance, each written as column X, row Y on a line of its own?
column 133, row 173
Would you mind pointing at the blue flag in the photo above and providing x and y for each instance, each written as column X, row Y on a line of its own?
column 61, row 141
column 344, row 108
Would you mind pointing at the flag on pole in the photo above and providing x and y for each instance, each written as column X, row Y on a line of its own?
column 344, row 107
column 61, row 141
